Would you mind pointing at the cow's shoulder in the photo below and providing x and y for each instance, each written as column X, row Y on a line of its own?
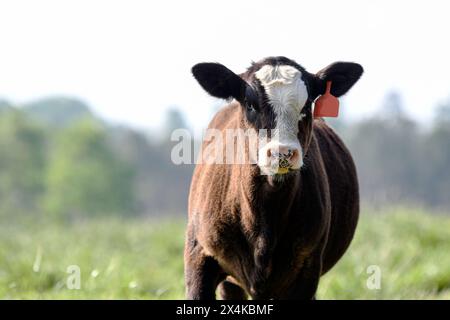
column 328, row 140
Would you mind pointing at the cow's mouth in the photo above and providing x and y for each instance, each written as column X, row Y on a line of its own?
column 278, row 171
column 283, row 174
column 283, row 168
column 282, row 171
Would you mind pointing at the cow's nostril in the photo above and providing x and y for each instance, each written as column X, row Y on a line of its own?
column 284, row 156
column 289, row 154
column 294, row 154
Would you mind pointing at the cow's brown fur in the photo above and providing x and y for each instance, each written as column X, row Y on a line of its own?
column 247, row 236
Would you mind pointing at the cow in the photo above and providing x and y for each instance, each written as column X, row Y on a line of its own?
column 262, row 231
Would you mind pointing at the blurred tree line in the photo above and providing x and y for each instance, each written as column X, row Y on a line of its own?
column 60, row 160
column 398, row 160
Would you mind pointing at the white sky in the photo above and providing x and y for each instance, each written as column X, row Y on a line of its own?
column 130, row 60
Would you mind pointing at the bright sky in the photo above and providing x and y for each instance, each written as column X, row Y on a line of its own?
column 130, row 60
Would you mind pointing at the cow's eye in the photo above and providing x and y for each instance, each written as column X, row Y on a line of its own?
column 251, row 100
column 250, row 107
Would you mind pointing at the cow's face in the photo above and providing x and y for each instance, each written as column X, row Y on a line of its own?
column 276, row 95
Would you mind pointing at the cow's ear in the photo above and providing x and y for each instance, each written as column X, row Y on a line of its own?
column 219, row 81
column 343, row 76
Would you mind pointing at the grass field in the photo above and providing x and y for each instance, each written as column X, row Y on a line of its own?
column 142, row 259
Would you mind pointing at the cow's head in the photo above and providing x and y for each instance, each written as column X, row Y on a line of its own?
column 277, row 93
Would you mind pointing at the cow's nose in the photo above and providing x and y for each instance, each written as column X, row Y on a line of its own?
column 286, row 156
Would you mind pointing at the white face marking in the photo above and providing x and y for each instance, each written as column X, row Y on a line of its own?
column 287, row 95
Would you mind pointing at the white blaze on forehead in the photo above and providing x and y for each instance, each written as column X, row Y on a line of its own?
column 287, row 95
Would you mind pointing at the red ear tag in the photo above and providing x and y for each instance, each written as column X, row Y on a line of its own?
column 326, row 105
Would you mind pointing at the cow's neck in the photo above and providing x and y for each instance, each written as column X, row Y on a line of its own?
column 265, row 215
column 264, row 205
column 273, row 201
